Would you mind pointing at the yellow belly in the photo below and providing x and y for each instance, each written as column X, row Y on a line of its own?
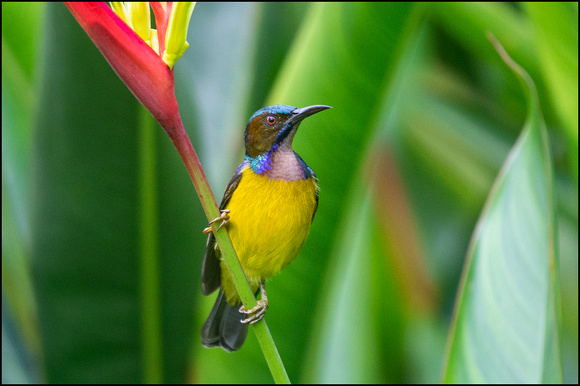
column 269, row 223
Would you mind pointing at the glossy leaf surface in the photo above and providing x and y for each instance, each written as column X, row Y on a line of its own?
column 508, row 304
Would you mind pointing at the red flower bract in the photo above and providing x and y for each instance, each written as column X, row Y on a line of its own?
column 138, row 66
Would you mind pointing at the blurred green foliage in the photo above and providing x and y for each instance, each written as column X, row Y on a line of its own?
column 425, row 114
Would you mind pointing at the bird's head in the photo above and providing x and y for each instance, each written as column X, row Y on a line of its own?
column 273, row 127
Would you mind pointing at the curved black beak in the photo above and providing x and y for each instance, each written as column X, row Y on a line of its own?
column 299, row 114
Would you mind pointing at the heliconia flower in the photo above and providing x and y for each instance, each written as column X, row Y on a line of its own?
column 142, row 57
column 171, row 18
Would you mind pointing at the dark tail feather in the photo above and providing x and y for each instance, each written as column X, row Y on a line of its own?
column 223, row 327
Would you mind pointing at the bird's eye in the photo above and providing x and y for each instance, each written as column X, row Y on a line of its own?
column 271, row 120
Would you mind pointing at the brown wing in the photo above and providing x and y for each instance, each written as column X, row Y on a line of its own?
column 316, row 197
column 210, row 268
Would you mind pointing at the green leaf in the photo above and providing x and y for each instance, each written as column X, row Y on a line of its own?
column 21, row 24
column 506, row 326
column 112, row 237
column 345, row 339
column 19, row 67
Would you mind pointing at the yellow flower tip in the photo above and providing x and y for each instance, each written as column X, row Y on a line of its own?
column 154, row 41
column 170, row 59
column 140, row 19
column 137, row 16
column 176, row 35
column 119, row 8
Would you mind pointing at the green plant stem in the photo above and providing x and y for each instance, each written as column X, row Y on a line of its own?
column 174, row 127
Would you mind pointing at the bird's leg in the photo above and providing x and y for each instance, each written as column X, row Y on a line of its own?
column 258, row 312
column 224, row 217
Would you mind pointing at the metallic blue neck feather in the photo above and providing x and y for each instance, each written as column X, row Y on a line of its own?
column 263, row 163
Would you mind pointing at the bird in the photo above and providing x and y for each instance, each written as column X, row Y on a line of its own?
column 267, row 208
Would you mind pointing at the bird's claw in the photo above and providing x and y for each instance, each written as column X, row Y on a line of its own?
column 256, row 313
column 224, row 218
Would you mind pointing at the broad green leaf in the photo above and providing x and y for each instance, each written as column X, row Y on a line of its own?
column 506, row 326
column 345, row 340
column 112, row 219
column 21, row 24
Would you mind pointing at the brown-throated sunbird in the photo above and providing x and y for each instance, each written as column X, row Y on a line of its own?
column 268, row 206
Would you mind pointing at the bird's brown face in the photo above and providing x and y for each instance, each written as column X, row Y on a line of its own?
column 263, row 131
column 271, row 125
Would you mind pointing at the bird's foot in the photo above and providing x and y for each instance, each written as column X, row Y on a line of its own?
column 224, row 218
column 256, row 313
